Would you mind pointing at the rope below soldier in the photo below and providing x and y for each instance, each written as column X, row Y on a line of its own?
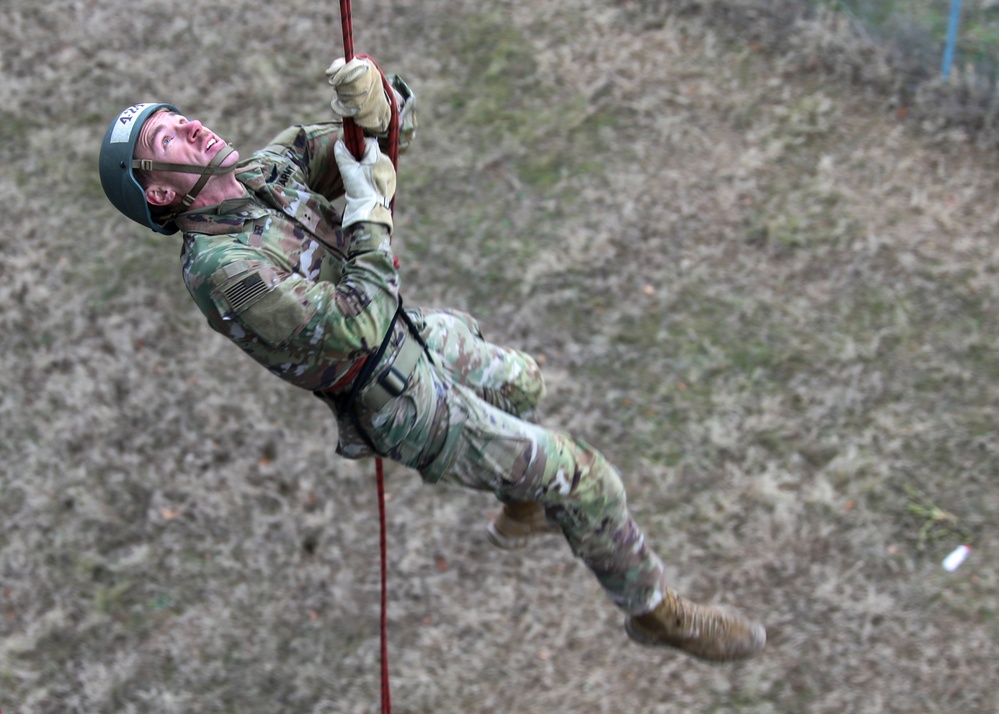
column 314, row 297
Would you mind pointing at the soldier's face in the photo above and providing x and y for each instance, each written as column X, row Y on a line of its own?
column 173, row 138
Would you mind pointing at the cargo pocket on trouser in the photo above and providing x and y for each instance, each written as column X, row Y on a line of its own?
column 495, row 451
column 411, row 429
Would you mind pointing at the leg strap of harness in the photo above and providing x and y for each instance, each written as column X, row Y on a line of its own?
column 393, row 380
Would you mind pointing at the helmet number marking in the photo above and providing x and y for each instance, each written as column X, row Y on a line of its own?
column 125, row 123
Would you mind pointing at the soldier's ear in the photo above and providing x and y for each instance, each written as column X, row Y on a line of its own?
column 157, row 195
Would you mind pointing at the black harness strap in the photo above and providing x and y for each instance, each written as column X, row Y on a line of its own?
column 350, row 403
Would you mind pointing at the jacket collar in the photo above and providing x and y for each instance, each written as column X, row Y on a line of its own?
column 229, row 215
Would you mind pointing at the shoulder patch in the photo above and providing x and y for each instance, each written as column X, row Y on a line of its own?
column 229, row 271
column 243, row 293
column 240, row 284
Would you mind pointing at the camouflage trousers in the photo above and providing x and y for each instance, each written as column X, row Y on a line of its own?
column 467, row 418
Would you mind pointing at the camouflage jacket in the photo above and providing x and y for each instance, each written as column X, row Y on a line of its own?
column 274, row 272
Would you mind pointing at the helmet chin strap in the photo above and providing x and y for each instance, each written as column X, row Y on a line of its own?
column 213, row 168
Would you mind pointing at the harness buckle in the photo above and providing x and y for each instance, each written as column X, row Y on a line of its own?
column 393, row 381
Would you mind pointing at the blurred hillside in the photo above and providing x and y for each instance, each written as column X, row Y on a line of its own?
column 893, row 48
column 919, row 28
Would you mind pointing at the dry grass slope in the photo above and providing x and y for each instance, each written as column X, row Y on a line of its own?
column 763, row 290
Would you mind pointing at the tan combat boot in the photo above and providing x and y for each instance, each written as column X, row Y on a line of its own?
column 713, row 633
column 516, row 523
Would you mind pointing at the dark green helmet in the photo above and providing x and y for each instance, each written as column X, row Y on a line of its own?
column 117, row 165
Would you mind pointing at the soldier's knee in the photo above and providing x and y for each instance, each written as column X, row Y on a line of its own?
column 525, row 390
column 467, row 320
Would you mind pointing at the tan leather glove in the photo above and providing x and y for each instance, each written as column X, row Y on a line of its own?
column 369, row 184
column 358, row 93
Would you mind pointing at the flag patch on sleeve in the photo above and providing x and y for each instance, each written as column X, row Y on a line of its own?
column 243, row 293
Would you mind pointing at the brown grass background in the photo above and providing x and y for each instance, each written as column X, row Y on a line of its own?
column 756, row 254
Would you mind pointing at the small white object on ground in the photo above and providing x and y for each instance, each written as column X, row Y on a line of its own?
column 954, row 560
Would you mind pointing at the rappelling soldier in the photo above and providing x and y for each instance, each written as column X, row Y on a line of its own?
column 313, row 295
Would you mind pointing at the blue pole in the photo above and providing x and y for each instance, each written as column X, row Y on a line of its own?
column 955, row 20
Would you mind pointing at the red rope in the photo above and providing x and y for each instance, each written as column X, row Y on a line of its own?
column 354, row 138
column 382, row 545
column 352, row 133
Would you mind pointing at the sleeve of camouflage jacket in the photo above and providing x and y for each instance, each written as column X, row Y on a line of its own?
column 305, row 329
column 310, row 148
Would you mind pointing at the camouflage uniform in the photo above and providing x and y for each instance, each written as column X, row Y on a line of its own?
column 274, row 273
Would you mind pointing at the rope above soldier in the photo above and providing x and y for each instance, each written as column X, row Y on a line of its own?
column 314, row 297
